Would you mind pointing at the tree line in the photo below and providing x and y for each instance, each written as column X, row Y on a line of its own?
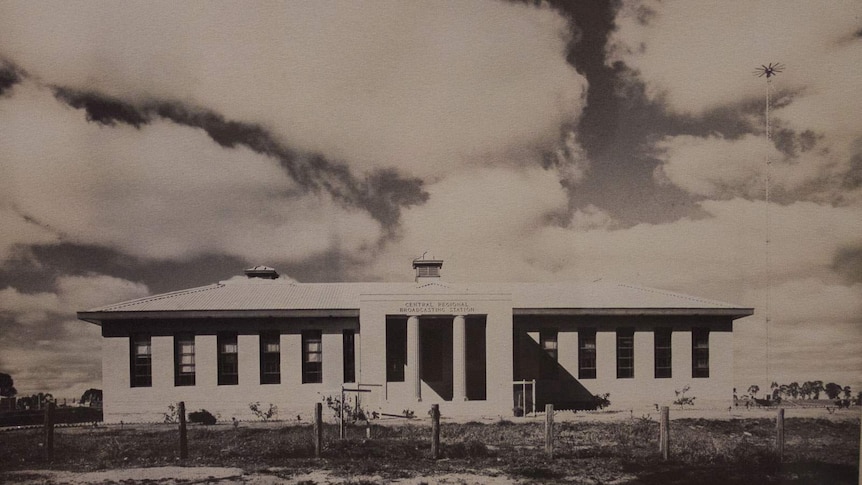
column 41, row 399
column 806, row 390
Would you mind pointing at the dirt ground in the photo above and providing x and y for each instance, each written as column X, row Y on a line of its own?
column 601, row 448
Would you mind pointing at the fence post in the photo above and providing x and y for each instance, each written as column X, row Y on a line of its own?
column 435, row 431
column 779, row 434
column 318, row 429
column 341, row 416
column 549, row 430
column 664, row 434
column 184, row 441
column 49, row 431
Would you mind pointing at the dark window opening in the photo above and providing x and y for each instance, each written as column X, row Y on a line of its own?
column 549, row 358
column 349, row 353
column 312, row 356
column 270, row 358
column 141, row 360
column 184, row 359
column 625, row 353
column 700, row 352
column 663, row 362
column 228, row 361
column 587, row 354
column 396, row 349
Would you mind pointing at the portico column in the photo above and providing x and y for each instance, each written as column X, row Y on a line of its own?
column 413, row 356
column 459, row 359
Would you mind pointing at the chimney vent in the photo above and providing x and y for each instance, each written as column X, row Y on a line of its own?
column 263, row 272
column 427, row 268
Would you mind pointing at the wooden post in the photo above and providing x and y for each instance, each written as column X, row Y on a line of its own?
column 184, row 441
column 549, row 430
column 318, row 429
column 664, row 433
column 779, row 434
column 341, row 416
column 49, row 431
column 435, row 431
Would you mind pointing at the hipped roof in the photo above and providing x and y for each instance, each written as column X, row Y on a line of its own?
column 280, row 297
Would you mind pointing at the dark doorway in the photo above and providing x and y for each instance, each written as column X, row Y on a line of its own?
column 476, row 359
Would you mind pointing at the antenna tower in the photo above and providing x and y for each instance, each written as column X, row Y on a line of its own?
column 769, row 70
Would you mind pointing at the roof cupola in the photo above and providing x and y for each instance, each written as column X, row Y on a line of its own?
column 263, row 272
column 427, row 269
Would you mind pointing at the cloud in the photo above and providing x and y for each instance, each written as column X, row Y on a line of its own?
column 717, row 167
column 699, row 56
column 43, row 347
column 163, row 191
column 481, row 222
column 423, row 87
column 9, row 75
column 591, row 217
column 382, row 193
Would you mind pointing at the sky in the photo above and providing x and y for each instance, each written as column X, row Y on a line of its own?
column 153, row 146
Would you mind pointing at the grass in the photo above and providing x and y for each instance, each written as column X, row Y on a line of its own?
column 702, row 451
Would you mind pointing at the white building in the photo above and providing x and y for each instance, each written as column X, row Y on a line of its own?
column 409, row 345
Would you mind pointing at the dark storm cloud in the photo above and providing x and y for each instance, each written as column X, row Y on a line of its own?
column 382, row 193
column 848, row 263
column 10, row 75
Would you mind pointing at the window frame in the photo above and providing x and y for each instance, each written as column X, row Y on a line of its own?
column 587, row 353
column 396, row 349
column 140, row 365
column 181, row 377
column 625, row 339
column 549, row 343
column 228, row 358
column 348, row 344
column 312, row 370
column 270, row 359
column 663, row 353
column 699, row 352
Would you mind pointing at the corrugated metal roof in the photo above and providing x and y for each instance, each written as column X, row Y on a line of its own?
column 257, row 294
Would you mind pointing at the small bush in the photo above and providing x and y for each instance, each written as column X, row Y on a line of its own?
column 262, row 415
column 602, row 401
column 173, row 414
column 465, row 449
column 681, row 399
column 203, row 416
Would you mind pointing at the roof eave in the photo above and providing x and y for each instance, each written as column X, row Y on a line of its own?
column 98, row 317
column 726, row 312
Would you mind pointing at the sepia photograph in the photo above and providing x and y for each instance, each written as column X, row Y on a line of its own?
column 354, row 242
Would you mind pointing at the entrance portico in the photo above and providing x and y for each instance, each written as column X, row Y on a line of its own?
column 437, row 356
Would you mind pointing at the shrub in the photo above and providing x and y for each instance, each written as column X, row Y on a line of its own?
column 353, row 410
column 682, row 400
column 173, row 414
column 262, row 415
column 203, row 416
column 601, row 401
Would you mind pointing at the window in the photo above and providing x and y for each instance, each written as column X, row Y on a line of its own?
column 548, row 363
column 312, row 356
column 625, row 353
column 270, row 358
column 141, row 360
column 228, row 363
column 700, row 352
column 587, row 353
column 348, row 337
column 396, row 349
column 663, row 366
column 184, row 359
